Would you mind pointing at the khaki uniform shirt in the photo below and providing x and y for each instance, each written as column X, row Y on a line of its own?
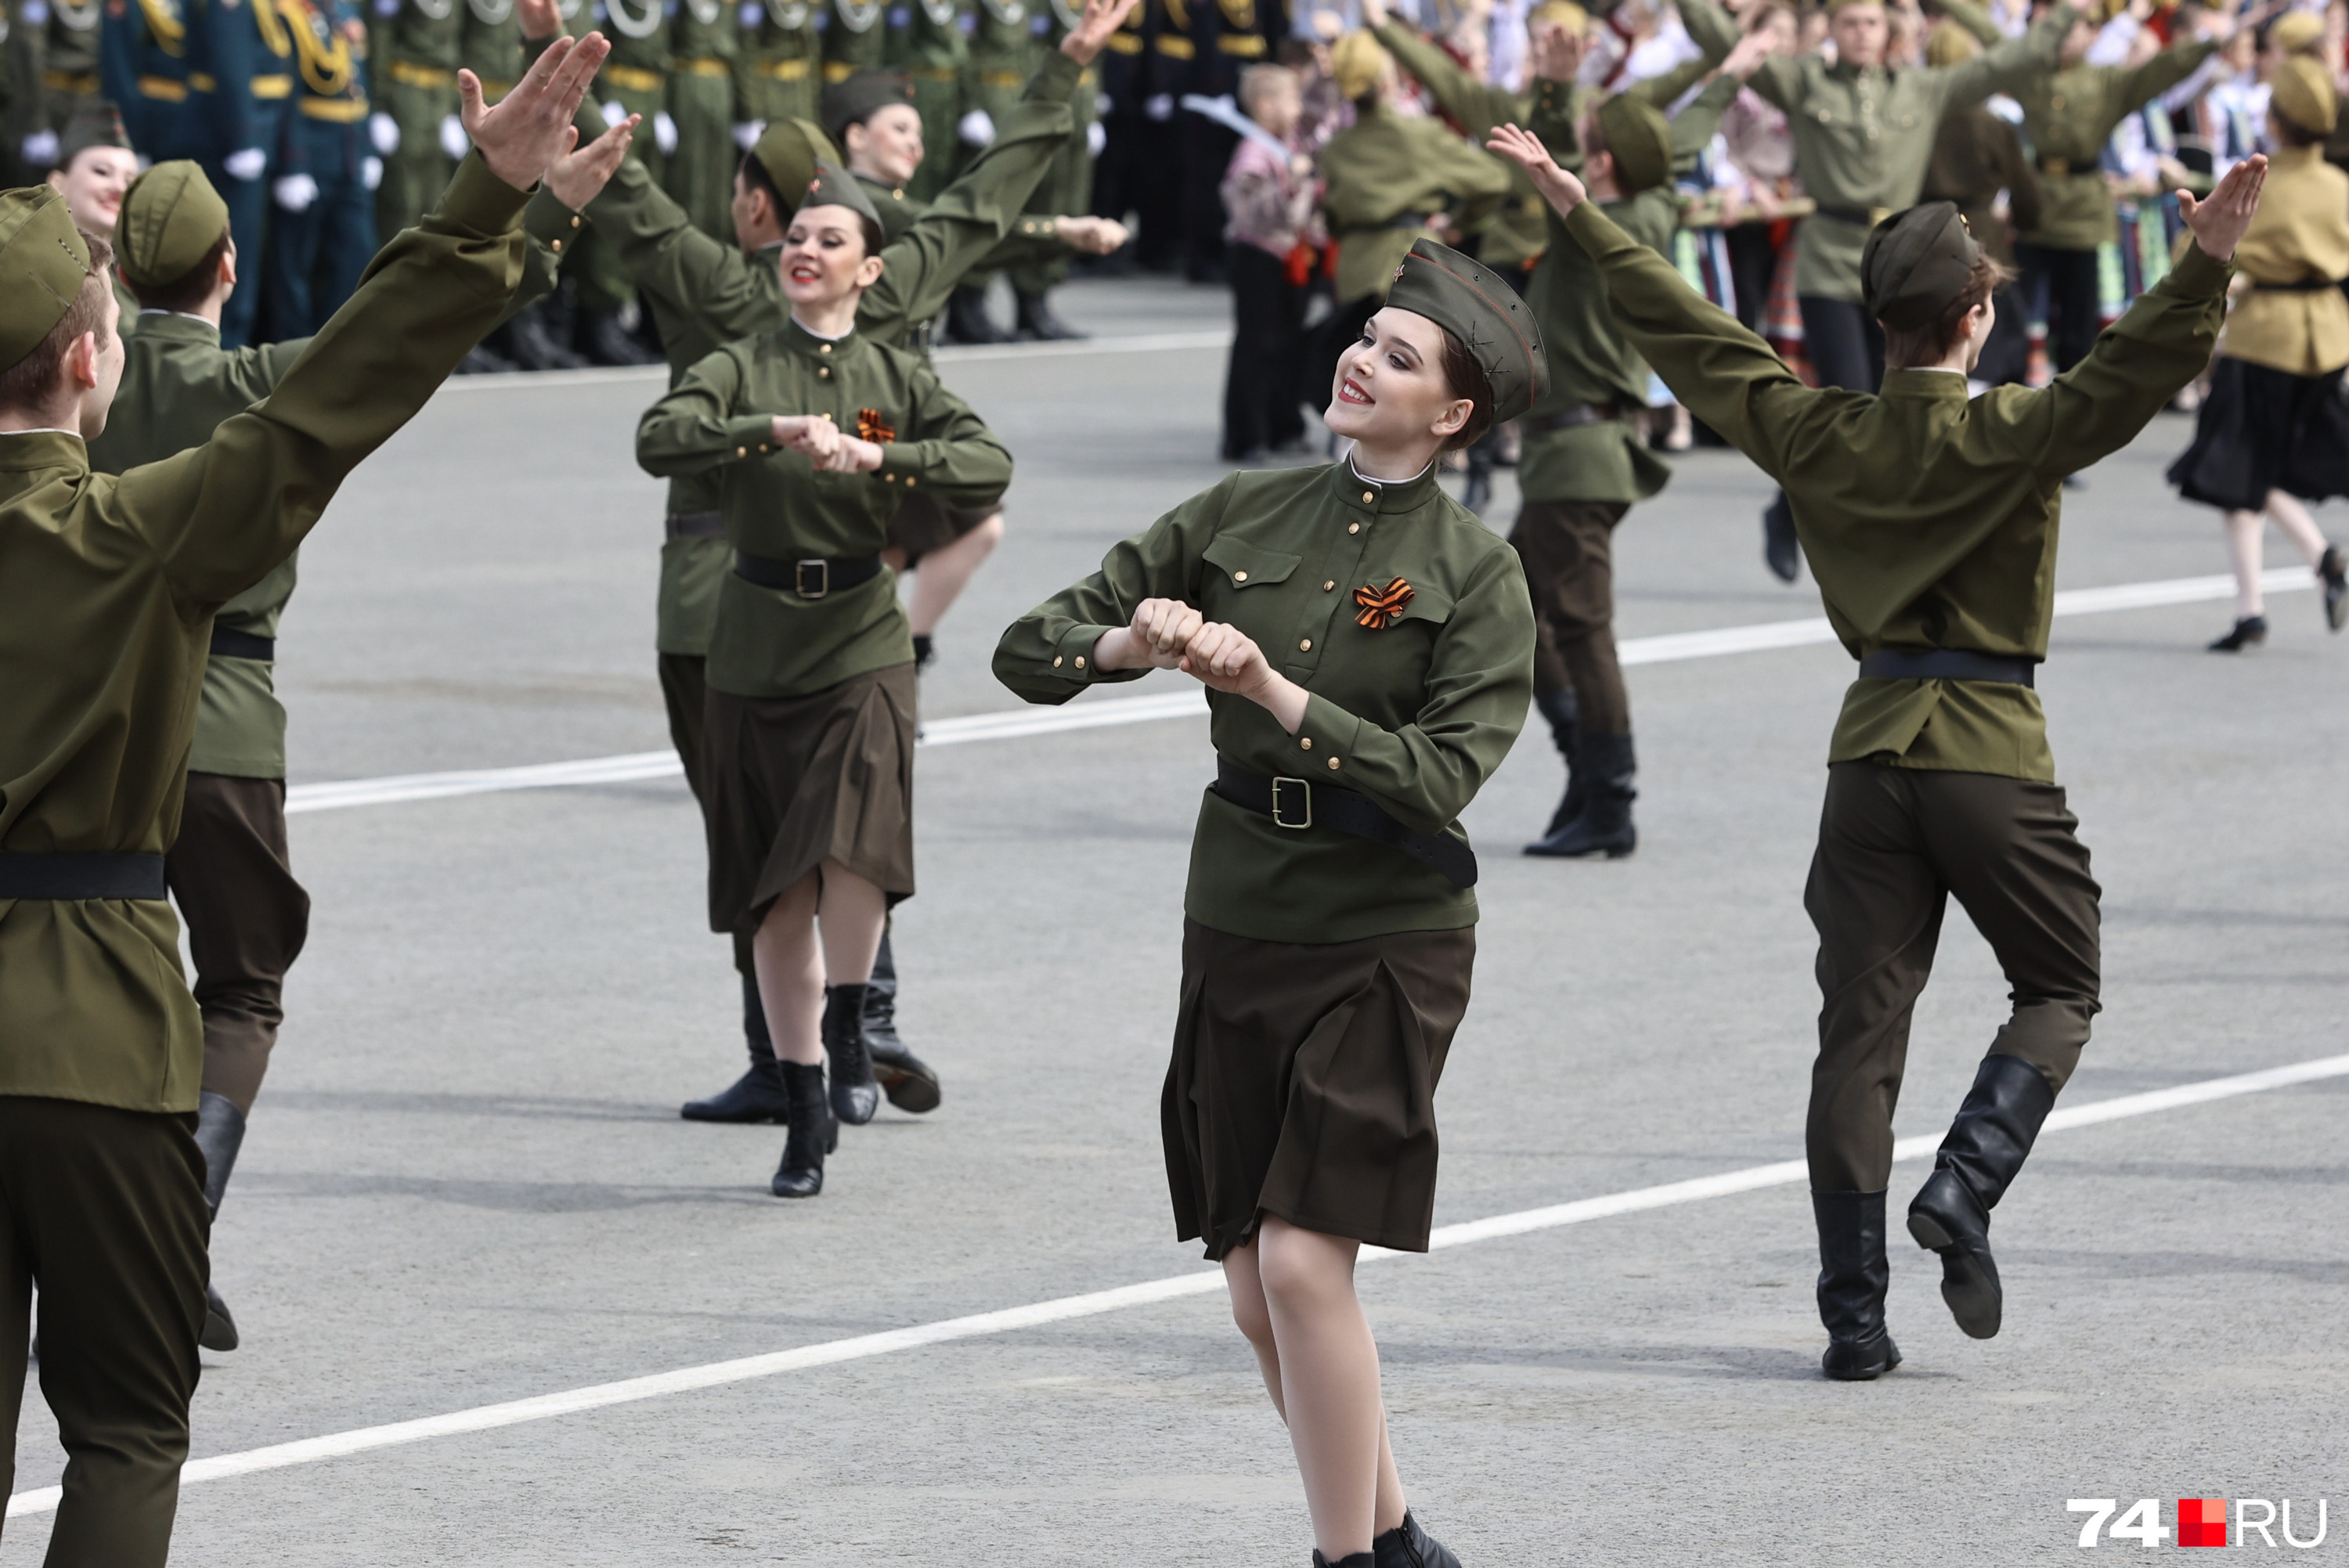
column 1863, row 138
column 2300, row 234
column 2069, row 115
column 1515, row 239
column 1929, row 520
column 1387, row 174
column 1416, row 716
column 718, row 422
column 109, row 593
column 775, row 75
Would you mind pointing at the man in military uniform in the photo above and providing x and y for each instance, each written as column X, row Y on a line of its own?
column 997, row 69
column 1863, row 139
column 1067, row 190
column 700, row 167
column 324, row 234
column 109, row 593
column 415, row 47
column 489, row 46
column 1933, row 535
column 95, row 166
column 59, row 40
column 855, row 39
column 934, row 50
column 777, row 74
column 244, row 82
column 2068, row 114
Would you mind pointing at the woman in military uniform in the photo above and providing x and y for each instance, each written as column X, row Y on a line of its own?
column 1368, row 648
column 814, row 432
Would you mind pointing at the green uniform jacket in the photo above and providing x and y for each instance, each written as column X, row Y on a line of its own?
column 705, row 293
column 1863, row 138
column 718, row 422
column 1515, row 239
column 1930, row 521
column 1386, row 175
column 110, row 590
column 491, row 46
column 855, row 39
column 1590, row 365
column 935, row 55
column 2069, row 115
column 1033, row 238
column 1416, row 716
column 778, row 75
column 417, row 36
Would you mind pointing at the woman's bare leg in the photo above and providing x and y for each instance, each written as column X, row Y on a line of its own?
column 790, row 973
column 942, row 574
column 1254, row 1317
column 850, row 913
column 2292, row 516
column 2243, row 530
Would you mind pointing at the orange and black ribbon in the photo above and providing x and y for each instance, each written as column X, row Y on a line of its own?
column 871, row 427
column 1380, row 606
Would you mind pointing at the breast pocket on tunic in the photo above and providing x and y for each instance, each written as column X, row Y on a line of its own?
column 1382, row 664
column 1242, row 565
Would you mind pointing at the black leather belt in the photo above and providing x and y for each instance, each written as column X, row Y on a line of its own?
column 1298, row 804
column 1946, row 664
column 230, row 644
column 1866, row 217
column 696, row 525
column 808, row 579
column 1574, row 418
column 81, row 876
column 2306, row 286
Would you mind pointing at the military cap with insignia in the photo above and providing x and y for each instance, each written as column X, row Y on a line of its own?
column 832, row 186
column 1469, row 301
column 93, row 125
column 2303, row 93
column 861, row 97
column 43, row 261
column 172, row 218
column 788, row 150
column 1641, row 141
column 1915, row 263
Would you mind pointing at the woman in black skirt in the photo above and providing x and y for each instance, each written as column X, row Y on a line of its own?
column 2274, row 432
column 1366, row 644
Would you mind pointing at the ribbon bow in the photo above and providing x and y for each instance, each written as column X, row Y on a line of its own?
column 1380, row 606
column 871, row 427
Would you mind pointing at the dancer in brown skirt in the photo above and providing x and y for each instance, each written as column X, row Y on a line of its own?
column 1331, row 925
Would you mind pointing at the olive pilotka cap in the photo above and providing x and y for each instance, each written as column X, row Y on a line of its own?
column 43, row 261
column 2302, row 92
column 1641, row 140
column 832, row 186
column 170, row 220
column 788, row 150
column 1469, row 301
column 861, row 97
column 92, row 124
column 1915, row 263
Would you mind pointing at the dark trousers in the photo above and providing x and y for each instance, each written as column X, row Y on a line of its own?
column 2070, row 287
column 1263, row 405
column 1206, row 152
column 1752, row 264
column 104, row 1210
column 1844, row 343
column 2006, row 357
column 685, row 691
column 248, row 219
column 1894, row 844
column 247, row 919
column 1569, row 550
column 315, row 256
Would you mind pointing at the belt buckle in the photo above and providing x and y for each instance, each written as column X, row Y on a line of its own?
column 812, row 579
column 1304, row 787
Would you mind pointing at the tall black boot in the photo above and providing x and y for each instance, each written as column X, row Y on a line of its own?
column 1977, row 1162
column 813, row 1133
column 1558, row 707
column 1853, row 1278
column 1604, row 825
column 1039, row 320
column 758, row 1094
column 220, row 1133
column 606, row 339
column 1781, row 551
column 1408, row 1546
column 967, row 317
column 906, row 1079
column 537, row 339
column 854, row 1094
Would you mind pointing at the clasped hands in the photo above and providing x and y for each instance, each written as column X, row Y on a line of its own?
column 1168, row 634
column 831, row 449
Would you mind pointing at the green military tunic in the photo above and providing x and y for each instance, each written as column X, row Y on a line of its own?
column 1863, row 139
column 700, row 173
column 717, row 424
column 491, row 46
column 1930, row 521
column 2069, row 115
column 1514, row 241
column 414, row 48
column 775, row 75
column 855, row 39
column 1387, row 174
column 935, row 53
column 1033, row 239
column 111, row 588
column 1416, row 716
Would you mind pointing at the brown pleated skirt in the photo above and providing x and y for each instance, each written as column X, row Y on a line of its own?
column 1303, row 1083
column 796, row 781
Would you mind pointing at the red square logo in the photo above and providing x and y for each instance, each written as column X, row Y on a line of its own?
column 2201, row 1521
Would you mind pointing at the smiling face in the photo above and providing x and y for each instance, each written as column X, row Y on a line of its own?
column 824, row 260
column 1860, row 32
column 1391, row 390
column 887, row 146
column 93, row 184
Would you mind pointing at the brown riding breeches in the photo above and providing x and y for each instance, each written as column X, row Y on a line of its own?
column 247, row 919
column 1569, row 550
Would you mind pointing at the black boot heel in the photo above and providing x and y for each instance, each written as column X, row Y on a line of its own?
column 758, row 1094
column 1409, row 1546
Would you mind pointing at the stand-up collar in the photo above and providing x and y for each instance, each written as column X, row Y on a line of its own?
column 1376, row 496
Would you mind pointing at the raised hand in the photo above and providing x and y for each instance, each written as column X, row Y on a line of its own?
column 2220, row 218
column 1091, row 34
column 530, row 126
column 1555, row 54
column 579, row 176
column 1524, row 148
column 1747, row 58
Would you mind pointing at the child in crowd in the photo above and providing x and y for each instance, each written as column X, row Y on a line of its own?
column 1269, row 190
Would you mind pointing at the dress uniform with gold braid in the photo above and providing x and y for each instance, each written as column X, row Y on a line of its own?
column 243, row 53
column 143, row 62
column 855, row 38
column 489, row 46
column 414, row 47
column 700, row 167
column 324, row 231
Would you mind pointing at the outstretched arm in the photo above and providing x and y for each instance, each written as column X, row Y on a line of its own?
column 1712, row 30
column 1474, row 105
column 2008, row 65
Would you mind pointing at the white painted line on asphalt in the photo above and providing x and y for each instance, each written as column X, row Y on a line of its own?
column 949, row 354
column 1095, row 1304
column 1105, row 712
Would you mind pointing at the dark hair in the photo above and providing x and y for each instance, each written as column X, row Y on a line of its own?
column 1468, row 380
column 2291, row 131
column 190, row 288
column 1906, row 347
column 756, row 178
column 25, row 383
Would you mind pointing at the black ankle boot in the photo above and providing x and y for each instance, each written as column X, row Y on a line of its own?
column 2249, row 633
column 1559, row 709
column 1603, row 827
column 1977, row 1162
column 220, row 1133
column 1782, row 550
column 967, row 317
column 905, row 1077
column 814, row 1134
column 2333, row 576
column 1853, row 1278
column 854, row 1094
column 1407, row 1545
column 1040, row 322
column 758, row 1094
column 1359, row 1560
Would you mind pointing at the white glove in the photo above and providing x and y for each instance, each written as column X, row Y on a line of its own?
column 663, row 132
column 614, row 113
column 453, row 140
column 384, row 131
column 1159, row 106
column 1095, row 138
column 1102, row 107
column 371, row 172
column 976, row 127
column 41, row 149
column 748, row 132
column 295, row 192
column 246, row 165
